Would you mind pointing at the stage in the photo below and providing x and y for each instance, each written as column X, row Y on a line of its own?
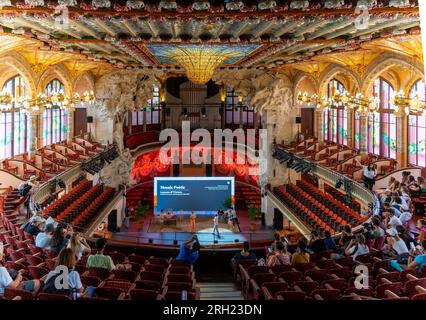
column 172, row 236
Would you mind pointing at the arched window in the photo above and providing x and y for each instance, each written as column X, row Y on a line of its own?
column 55, row 119
column 335, row 119
column 15, row 126
column 233, row 114
column 417, row 129
column 152, row 110
column 382, row 128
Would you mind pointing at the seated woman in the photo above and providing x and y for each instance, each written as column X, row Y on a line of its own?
column 189, row 251
column 416, row 260
column 58, row 240
column 66, row 262
column 357, row 247
column 301, row 255
column 279, row 256
column 14, row 281
column 244, row 254
column 79, row 245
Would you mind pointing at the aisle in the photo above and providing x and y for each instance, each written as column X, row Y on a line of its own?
column 226, row 290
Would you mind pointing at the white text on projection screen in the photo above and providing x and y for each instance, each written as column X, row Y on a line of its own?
column 205, row 195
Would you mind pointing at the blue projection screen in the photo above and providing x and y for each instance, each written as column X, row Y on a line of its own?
column 205, row 195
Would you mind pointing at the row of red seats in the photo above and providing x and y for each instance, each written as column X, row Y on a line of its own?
column 80, row 204
column 329, row 279
column 328, row 199
column 83, row 219
column 302, row 197
column 60, row 205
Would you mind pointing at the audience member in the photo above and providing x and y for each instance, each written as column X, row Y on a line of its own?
column 279, row 255
column 99, row 260
column 43, row 238
column 301, row 255
column 67, row 260
column 15, row 281
column 189, row 251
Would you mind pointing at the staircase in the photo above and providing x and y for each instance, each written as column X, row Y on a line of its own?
column 219, row 291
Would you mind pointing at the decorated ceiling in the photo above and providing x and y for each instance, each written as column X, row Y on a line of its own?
column 101, row 34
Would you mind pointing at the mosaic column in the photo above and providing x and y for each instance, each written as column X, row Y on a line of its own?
column 319, row 124
column 401, row 139
column 265, row 167
column 70, row 128
column 34, row 143
column 363, row 147
column 350, row 128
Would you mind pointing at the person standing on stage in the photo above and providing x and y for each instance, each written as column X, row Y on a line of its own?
column 216, row 225
column 233, row 217
column 192, row 220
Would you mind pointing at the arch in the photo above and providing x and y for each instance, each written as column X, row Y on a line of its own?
column 84, row 82
column 60, row 72
column 14, row 64
column 350, row 79
column 300, row 78
column 382, row 64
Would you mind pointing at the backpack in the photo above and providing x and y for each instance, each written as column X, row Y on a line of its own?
column 49, row 287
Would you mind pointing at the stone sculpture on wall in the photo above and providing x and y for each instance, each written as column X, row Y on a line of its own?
column 118, row 93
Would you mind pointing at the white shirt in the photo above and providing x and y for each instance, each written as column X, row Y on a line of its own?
column 5, row 280
column 42, row 240
column 78, row 250
column 371, row 174
column 362, row 249
column 394, row 221
column 399, row 246
column 405, row 217
column 215, row 220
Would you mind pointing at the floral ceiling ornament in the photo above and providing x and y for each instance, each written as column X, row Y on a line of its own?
column 5, row 3
column 234, row 5
column 135, row 4
column 167, row 5
column 366, row 4
column 35, row 3
column 299, row 5
column 67, row 3
column 201, row 5
column 399, row 3
column 267, row 5
column 101, row 3
column 334, row 4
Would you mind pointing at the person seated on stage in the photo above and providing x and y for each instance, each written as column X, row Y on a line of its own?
column 170, row 214
column 277, row 238
column 189, row 251
column 162, row 215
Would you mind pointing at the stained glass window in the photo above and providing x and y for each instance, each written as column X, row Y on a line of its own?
column 15, row 130
column 55, row 119
column 382, row 126
column 152, row 110
column 417, row 130
column 336, row 119
column 232, row 114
